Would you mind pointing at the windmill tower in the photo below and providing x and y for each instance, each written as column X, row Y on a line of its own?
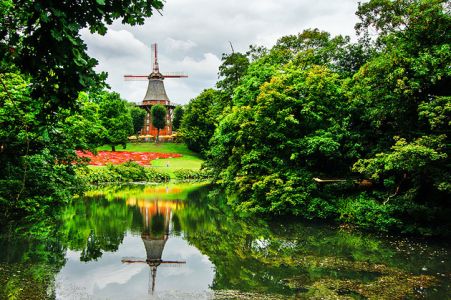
column 156, row 94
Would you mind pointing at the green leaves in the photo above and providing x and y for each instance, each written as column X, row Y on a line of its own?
column 115, row 118
column 320, row 106
column 178, row 116
column 414, row 158
column 200, row 119
column 158, row 113
column 138, row 114
column 437, row 112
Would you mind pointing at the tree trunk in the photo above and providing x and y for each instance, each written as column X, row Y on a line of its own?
column 113, row 148
column 158, row 136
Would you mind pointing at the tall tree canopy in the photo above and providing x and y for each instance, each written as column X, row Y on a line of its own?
column 231, row 70
column 178, row 115
column 158, row 113
column 199, row 120
column 138, row 115
column 115, row 117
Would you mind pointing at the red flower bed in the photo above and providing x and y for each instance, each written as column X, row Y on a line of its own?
column 104, row 157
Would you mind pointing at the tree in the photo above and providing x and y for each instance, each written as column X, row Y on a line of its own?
column 231, row 70
column 85, row 128
column 158, row 113
column 200, row 118
column 36, row 170
column 178, row 115
column 115, row 117
column 138, row 115
column 43, row 40
column 268, row 153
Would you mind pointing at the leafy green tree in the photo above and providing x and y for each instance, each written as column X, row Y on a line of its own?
column 401, row 93
column 268, row 154
column 231, row 70
column 138, row 115
column 200, row 118
column 178, row 116
column 320, row 106
column 43, row 40
column 158, row 113
column 115, row 117
column 36, row 172
column 85, row 128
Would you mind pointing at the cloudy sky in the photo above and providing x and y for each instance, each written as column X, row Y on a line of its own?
column 192, row 35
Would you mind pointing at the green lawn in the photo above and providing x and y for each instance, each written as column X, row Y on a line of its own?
column 152, row 147
column 189, row 159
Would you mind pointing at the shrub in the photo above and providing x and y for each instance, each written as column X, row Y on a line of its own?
column 127, row 172
column 191, row 175
column 367, row 213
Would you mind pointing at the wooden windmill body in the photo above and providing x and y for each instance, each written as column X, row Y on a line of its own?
column 156, row 94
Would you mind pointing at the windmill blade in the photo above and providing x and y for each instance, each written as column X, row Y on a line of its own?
column 154, row 51
column 136, row 77
column 132, row 260
column 173, row 262
column 175, row 75
column 169, row 263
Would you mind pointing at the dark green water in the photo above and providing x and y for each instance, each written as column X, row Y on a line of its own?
column 173, row 242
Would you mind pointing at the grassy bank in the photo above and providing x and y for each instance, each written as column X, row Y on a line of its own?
column 189, row 160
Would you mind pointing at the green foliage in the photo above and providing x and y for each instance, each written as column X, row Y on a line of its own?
column 138, row 115
column 233, row 67
column 191, row 175
column 178, row 116
column 437, row 112
column 415, row 159
column 127, row 172
column 320, row 106
column 44, row 67
column 268, row 153
column 365, row 212
column 200, row 118
column 115, row 118
column 35, row 157
column 85, row 128
column 43, row 40
column 158, row 113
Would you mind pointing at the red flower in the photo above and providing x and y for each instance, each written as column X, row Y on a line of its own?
column 119, row 157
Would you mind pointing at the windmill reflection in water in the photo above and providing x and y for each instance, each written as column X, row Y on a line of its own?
column 156, row 216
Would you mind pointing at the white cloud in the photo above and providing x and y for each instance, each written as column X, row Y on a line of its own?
column 192, row 35
column 176, row 45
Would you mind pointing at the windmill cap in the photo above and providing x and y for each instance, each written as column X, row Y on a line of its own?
column 156, row 90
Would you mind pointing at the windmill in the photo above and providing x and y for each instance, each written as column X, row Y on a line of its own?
column 156, row 94
column 156, row 218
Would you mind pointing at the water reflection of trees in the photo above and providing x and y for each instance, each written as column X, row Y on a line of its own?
column 30, row 259
column 290, row 258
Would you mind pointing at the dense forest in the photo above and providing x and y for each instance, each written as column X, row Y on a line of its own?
column 325, row 128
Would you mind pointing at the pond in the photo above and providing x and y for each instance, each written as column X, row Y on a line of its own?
column 178, row 241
